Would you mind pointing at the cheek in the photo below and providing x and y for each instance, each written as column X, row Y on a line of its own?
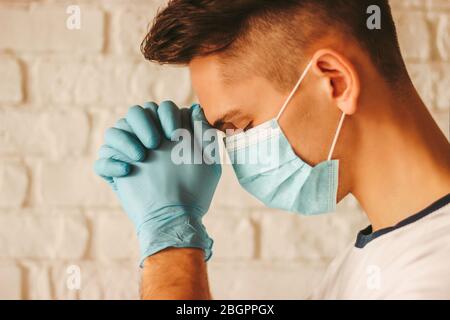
column 310, row 127
column 267, row 108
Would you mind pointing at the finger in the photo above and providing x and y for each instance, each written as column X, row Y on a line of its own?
column 152, row 108
column 145, row 126
column 110, row 181
column 126, row 143
column 106, row 152
column 205, row 136
column 197, row 114
column 108, row 168
column 122, row 124
column 170, row 118
column 185, row 115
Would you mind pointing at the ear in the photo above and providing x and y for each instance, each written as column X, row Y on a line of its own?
column 342, row 79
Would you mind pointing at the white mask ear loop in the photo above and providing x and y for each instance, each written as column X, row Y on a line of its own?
column 341, row 122
column 288, row 100
column 291, row 95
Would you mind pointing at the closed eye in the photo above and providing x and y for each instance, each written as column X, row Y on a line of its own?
column 224, row 126
column 227, row 120
column 249, row 126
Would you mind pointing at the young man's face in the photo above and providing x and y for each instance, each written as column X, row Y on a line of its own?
column 241, row 104
column 251, row 100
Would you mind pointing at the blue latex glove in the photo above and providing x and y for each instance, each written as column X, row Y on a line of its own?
column 165, row 201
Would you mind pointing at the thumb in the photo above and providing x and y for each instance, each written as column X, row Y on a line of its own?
column 197, row 114
column 205, row 135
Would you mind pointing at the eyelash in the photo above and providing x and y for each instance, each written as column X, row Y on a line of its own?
column 231, row 125
column 249, row 126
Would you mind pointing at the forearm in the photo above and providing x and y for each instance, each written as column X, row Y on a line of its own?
column 175, row 274
column 166, row 201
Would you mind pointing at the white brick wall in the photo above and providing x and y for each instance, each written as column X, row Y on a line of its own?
column 60, row 89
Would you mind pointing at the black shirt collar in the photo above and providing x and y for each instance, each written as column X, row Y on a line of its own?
column 366, row 235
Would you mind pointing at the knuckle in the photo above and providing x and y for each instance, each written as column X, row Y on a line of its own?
column 134, row 109
column 102, row 151
column 120, row 123
column 151, row 105
column 168, row 103
column 99, row 167
column 110, row 133
column 138, row 154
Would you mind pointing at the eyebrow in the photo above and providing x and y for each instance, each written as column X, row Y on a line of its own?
column 218, row 124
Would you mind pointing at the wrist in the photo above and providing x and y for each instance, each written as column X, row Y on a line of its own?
column 182, row 231
column 175, row 273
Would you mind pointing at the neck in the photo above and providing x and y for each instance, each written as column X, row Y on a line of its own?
column 403, row 162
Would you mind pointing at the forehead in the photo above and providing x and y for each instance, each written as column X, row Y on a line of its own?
column 218, row 95
column 209, row 86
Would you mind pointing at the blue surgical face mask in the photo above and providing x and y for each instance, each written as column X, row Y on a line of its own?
column 268, row 168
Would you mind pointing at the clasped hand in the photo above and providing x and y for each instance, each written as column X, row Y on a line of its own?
column 161, row 185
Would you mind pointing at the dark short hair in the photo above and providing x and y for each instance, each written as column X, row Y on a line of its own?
column 282, row 29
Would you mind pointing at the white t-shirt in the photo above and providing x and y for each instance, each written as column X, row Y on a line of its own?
column 408, row 261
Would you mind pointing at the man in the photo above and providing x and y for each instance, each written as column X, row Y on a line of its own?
column 338, row 102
